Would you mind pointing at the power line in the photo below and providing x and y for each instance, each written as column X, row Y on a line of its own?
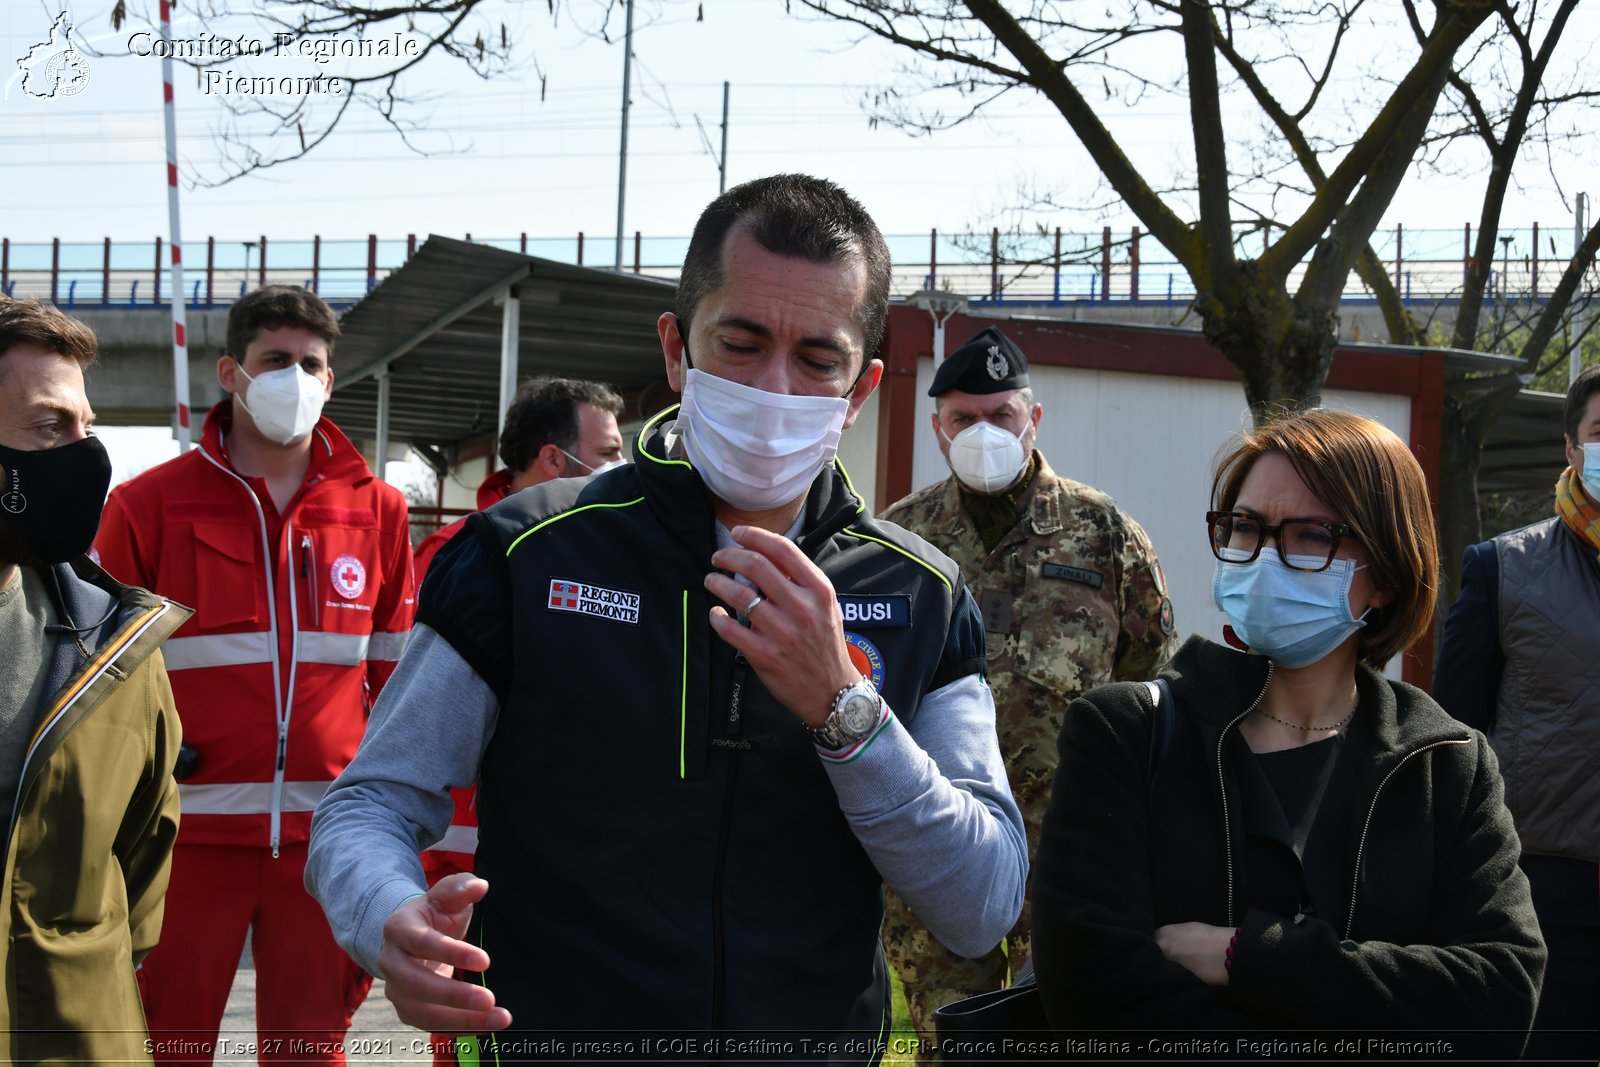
column 928, row 147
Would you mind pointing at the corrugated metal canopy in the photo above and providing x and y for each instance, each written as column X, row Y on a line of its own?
column 436, row 325
column 1524, row 447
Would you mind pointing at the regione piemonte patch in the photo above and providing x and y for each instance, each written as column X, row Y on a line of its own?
column 583, row 599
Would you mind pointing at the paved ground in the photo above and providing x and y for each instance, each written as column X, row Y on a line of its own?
column 377, row 1036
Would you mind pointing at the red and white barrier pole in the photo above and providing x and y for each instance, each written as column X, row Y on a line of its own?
column 180, row 326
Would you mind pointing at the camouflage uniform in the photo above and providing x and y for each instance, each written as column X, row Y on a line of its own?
column 1072, row 596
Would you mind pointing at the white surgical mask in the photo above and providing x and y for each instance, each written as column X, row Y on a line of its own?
column 619, row 461
column 285, row 404
column 986, row 458
column 754, row 449
column 1292, row 617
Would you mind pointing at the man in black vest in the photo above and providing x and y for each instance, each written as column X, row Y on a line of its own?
column 1518, row 662
column 696, row 774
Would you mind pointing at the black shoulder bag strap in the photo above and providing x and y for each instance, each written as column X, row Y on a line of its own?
column 1161, row 719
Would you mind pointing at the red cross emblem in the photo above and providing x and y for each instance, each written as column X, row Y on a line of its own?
column 349, row 577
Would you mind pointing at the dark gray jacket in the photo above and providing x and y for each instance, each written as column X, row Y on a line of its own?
column 1518, row 662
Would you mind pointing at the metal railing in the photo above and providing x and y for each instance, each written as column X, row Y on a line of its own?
column 994, row 268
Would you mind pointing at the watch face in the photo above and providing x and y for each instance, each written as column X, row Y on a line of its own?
column 859, row 714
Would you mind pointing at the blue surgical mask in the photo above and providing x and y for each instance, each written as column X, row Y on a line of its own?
column 1292, row 617
column 1591, row 468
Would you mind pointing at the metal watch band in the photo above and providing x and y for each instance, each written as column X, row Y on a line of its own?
column 833, row 733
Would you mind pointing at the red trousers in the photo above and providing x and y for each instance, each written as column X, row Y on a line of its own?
column 307, row 988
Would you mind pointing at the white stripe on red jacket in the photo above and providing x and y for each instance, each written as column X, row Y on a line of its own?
column 275, row 673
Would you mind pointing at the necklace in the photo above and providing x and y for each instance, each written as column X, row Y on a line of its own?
column 1309, row 729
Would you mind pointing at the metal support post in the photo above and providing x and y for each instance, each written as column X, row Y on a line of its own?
column 510, row 330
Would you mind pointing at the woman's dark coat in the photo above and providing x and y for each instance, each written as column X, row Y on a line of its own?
column 1434, row 931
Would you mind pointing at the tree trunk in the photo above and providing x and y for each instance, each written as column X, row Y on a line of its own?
column 1459, row 524
column 1281, row 347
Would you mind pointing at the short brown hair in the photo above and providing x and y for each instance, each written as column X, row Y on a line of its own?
column 275, row 306
column 545, row 412
column 33, row 322
column 1585, row 385
column 792, row 215
column 1371, row 481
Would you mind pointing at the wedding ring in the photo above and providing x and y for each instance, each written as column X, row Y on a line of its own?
column 755, row 602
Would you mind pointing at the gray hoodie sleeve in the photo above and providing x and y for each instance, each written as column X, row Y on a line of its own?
column 426, row 736
column 932, row 807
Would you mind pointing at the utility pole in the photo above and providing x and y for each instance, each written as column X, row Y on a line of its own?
column 722, row 160
column 180, row 315
column 1580, row 226
column 622, row 166
column 1505, row 272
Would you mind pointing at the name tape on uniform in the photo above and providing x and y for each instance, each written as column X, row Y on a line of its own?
column 584, row 599
column 1092, row 579
column 866, row 611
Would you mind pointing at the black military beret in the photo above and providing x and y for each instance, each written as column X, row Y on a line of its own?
column 989, row 363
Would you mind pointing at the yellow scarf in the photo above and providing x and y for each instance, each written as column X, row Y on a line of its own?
column 1576, row 511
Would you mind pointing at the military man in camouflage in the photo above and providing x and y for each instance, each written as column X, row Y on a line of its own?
column 1072, row 596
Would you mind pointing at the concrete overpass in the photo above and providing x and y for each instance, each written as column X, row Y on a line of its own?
column 133, row 384
column 431, row 336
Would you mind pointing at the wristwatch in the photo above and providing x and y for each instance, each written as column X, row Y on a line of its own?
column 855, row 712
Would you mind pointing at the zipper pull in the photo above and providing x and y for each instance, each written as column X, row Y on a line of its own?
column 307, row 568
column 283, row 745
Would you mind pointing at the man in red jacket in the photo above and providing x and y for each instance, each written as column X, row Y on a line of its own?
column 555, row 428
column 297, row 562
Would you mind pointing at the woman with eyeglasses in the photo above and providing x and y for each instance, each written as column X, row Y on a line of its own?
column 1294, row 842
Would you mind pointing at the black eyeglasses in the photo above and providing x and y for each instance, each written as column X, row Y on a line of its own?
column 1303, row 545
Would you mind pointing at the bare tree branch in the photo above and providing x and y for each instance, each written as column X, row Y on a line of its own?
column 261, row 132
column 1503, row 152
column 1560, row 299
column 1384, row 149
column 1049, row 77
column 1210, row 147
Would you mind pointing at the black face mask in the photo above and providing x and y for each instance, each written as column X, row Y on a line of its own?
column 50, row 500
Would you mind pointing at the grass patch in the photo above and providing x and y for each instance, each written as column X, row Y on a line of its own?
column 902, row 1036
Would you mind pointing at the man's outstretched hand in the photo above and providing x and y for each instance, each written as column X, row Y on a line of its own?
column 422, row 946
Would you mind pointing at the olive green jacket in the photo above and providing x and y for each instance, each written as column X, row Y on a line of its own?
column 89, row 839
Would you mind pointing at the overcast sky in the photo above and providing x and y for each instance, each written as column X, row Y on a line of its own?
column 92, row 165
